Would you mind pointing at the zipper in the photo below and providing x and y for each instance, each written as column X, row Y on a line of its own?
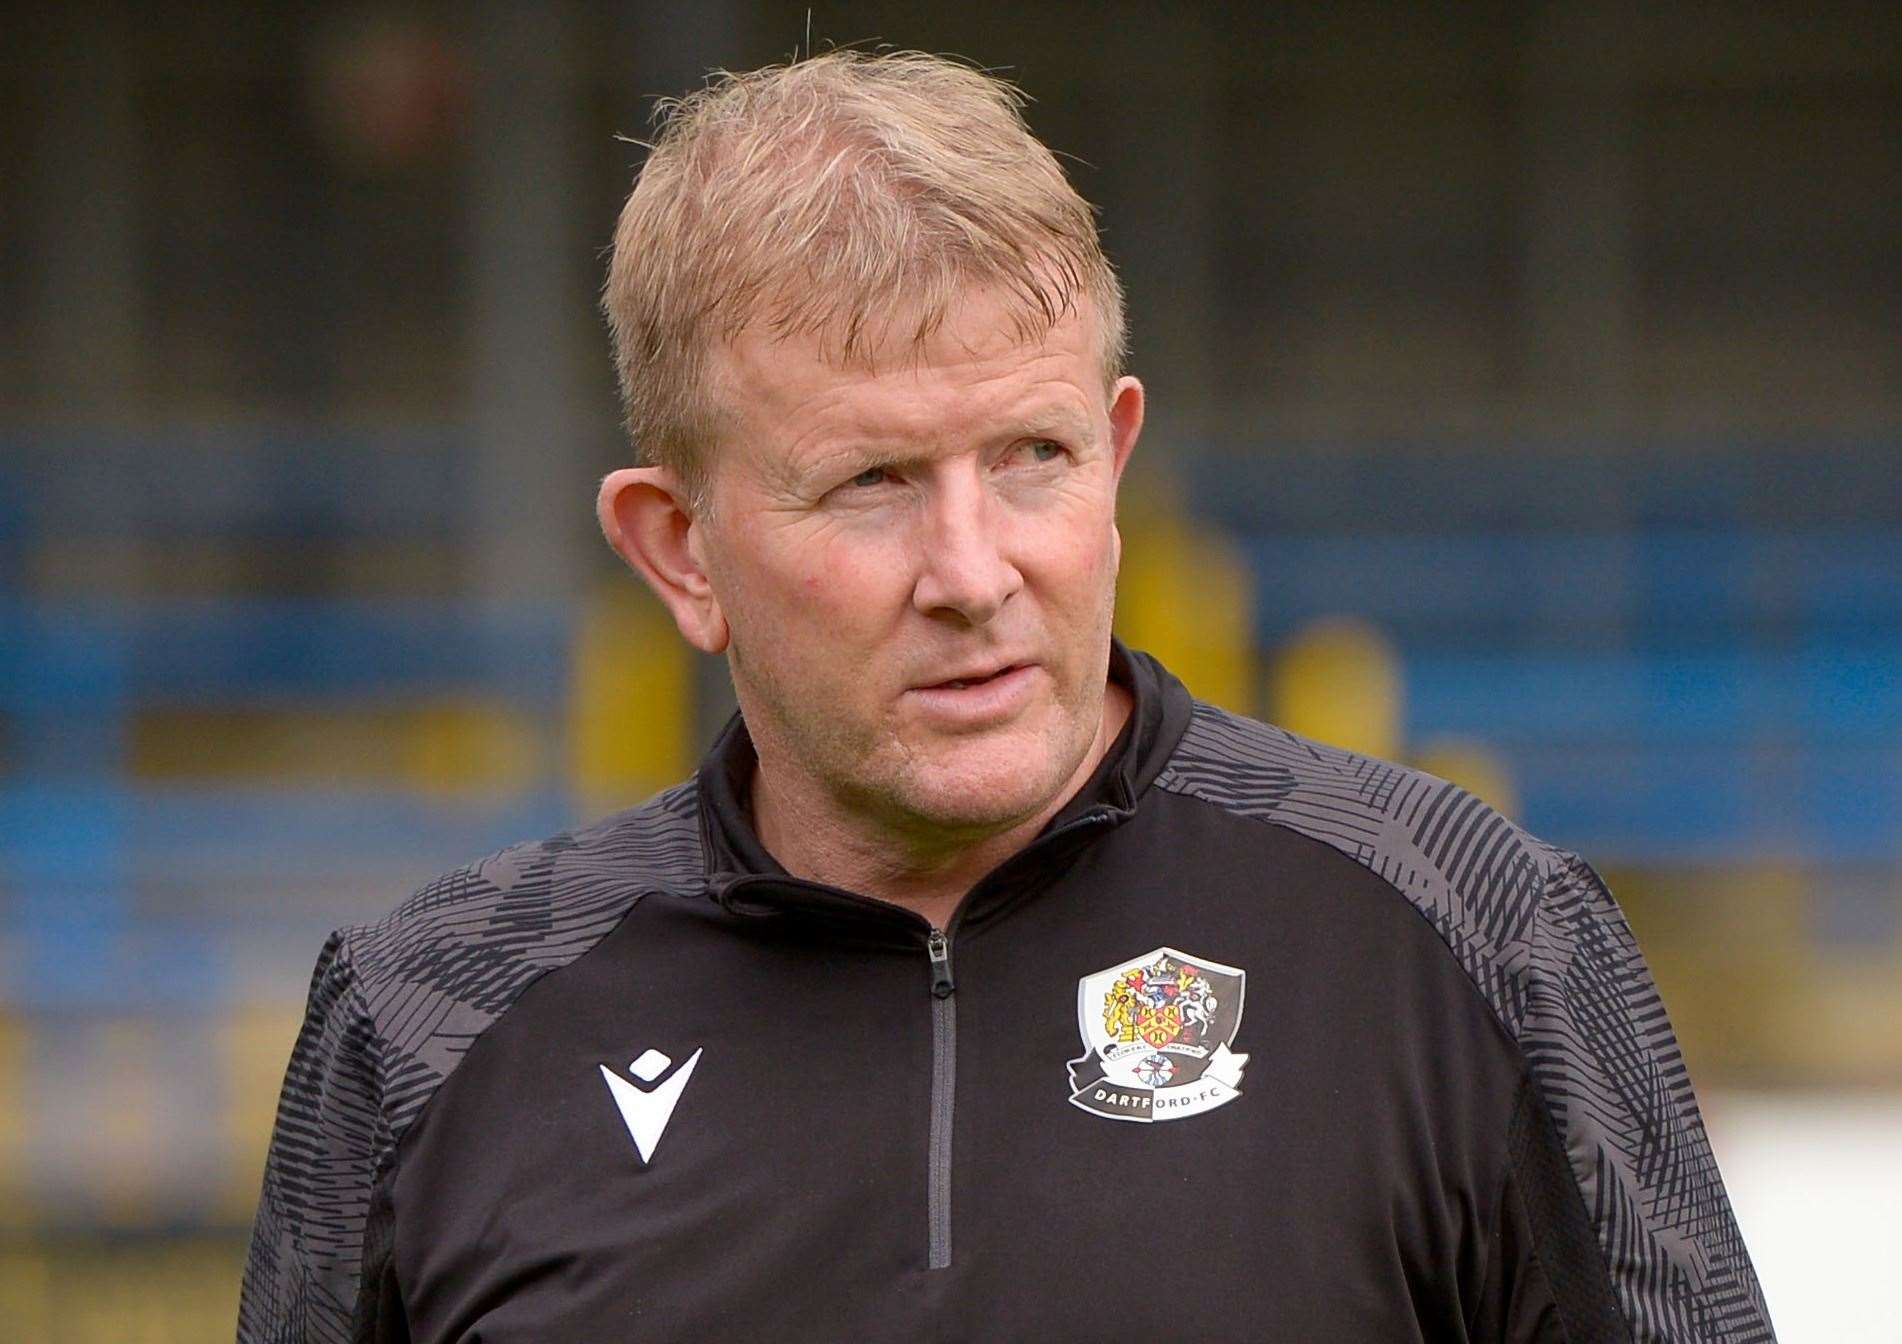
column 944, row 1070
column 938, row 949
column 944, row 1020
column 944, row 1077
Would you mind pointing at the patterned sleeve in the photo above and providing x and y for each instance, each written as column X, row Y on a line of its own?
column 301, row 1280
column 1623, row 1119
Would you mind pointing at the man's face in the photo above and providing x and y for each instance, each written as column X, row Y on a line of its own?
column 916, row 566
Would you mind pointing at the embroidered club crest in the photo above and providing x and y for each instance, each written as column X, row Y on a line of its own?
column 1156, row 1032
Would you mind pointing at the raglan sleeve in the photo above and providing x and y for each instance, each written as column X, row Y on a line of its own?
column 1614, row 1223
column 301, row 1280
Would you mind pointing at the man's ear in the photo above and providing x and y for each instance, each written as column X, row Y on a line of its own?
column 1126, row 426
column 647, row 516
column 1125, row 421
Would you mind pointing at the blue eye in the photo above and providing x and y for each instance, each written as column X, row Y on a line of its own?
column 870, row 476
column 1044, row 450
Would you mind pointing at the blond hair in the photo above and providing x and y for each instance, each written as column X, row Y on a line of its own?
column 836, row 197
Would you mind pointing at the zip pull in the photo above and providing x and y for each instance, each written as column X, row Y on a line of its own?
column 938, row 948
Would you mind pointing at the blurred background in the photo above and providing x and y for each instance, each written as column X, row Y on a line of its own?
column 1526, row 389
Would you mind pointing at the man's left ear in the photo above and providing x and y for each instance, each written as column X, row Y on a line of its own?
column 1125, row 421
column 1126, row 426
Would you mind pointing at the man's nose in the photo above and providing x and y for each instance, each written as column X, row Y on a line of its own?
column 964, row 570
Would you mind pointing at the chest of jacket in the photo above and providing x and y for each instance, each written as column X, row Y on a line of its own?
column 1204, row 1078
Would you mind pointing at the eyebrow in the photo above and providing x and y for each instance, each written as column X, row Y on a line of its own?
column 814, row 478
column 868, row 453
column 1055, row 420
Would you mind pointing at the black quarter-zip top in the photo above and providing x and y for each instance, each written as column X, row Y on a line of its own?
column 1257, row 1039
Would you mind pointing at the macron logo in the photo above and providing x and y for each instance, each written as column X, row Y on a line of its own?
column 648, row 1104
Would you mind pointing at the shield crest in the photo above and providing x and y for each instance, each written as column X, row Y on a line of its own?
column 1156, row 1034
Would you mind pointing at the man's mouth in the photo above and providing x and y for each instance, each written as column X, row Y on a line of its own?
column 973, row 679
column 978, row 697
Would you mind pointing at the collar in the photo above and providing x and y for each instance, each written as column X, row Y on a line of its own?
column 743, row 877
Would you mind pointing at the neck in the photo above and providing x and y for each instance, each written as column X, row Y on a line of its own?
column 816, row 837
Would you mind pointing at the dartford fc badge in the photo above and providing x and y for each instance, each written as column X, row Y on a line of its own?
column 1156, row 1032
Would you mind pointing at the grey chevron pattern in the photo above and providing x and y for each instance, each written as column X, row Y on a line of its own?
column 1541, row 937
column 393, row 1008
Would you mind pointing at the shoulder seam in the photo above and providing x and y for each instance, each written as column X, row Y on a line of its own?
column 1542, row 940
column 456, row 955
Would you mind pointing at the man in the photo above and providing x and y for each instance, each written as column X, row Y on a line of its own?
column 982, row 985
